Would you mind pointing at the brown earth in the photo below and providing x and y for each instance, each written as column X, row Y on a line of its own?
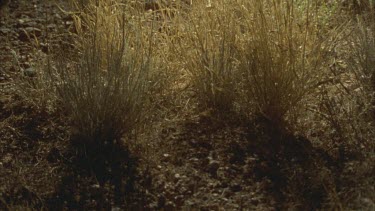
column 187, row 160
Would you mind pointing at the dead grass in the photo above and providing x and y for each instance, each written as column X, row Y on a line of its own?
column 254, row 57
column 207, row 50
column 111, row 80
column 282, row 56
column 294, row 63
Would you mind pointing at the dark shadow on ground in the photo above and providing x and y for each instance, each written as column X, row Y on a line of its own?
column 99, row 177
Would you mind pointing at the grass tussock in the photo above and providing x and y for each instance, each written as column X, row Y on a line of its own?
column 208, row 52
column 363, row 58
column 106, row 91
column 256, row 57
column 352, row 110
column 281, row 57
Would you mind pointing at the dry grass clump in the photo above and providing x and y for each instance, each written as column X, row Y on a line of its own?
column 363, row 59
column 356, row 101
column 208, row 52
column 343, row 119
column 281, row 56
column 259, row 57
column 106, row 90
column 348, row 103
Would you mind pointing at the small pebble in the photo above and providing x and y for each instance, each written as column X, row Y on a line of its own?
column 30, row 72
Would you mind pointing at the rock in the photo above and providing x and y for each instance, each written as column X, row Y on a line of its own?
column 44, row 47
column 96, row 186
column 368, row 202
column 116, row 209
column 29, row 72
column 23, row 21
column 213, row 166
column 57, row 16
column 4, row 31
column 194, row 159
column 51, row 26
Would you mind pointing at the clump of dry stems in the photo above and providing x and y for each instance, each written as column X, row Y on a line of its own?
column 106, row 90
column 254, row 56
column 282, row 55
column 208, row 52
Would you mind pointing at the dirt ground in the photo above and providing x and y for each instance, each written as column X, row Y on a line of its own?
column 188, row 160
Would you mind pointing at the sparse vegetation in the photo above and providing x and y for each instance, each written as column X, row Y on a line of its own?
column 112, row 76
column 208, row 50
column 282, row 57
column 207, row 105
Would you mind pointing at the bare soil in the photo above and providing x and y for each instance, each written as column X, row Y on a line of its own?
column 194, row 162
